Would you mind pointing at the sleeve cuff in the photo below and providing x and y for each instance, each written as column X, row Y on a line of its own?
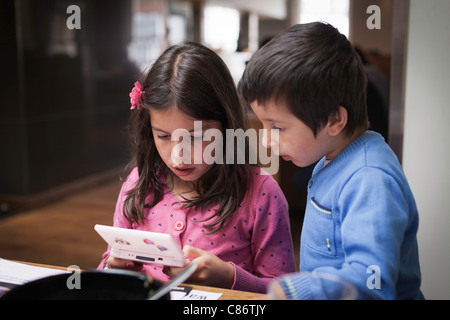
column 245, row 281
column 296, row 288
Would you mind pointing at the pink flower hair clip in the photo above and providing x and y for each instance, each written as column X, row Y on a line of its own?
column 135, row 96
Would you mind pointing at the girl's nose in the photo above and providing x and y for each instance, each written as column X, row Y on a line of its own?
column 181, row 153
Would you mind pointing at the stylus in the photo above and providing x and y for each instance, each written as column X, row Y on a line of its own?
column 180, row 278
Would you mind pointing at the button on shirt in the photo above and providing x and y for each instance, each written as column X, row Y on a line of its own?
column 179, row 226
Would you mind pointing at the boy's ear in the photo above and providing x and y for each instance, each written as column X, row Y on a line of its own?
column 337, row 121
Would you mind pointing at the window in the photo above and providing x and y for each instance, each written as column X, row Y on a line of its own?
column 221, row 28
column 335, row 12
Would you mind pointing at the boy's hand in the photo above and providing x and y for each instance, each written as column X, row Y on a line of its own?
column 276, row 292
column 117, row 263
column 211, row 270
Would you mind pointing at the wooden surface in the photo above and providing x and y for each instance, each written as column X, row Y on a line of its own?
column 61, row 233
column 226, row 294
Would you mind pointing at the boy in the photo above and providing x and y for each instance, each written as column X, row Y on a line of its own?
column 361, row 219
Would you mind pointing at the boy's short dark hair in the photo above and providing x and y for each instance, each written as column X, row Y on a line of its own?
column 313, row 69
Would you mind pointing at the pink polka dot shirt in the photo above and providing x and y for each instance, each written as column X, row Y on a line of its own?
column 256, row 239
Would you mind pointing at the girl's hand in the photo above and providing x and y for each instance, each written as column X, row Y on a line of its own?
column 117, row 263
column 211, row 270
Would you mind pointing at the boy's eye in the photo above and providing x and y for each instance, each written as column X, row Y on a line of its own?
column 277, row 128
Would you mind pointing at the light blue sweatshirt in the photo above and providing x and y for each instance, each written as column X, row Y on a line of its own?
column 360, row 224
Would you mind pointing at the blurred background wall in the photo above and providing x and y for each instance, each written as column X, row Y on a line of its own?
column 426, row 138
column 63, row 95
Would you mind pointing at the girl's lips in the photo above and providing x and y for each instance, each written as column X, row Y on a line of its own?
column 286, row 158
column 182, row 172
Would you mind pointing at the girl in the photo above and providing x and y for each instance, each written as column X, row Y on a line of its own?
column 231, row 219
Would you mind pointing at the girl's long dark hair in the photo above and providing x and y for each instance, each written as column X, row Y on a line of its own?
column 196, row 80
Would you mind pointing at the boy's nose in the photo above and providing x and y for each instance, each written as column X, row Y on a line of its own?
column 270, row 138
column 266, row 139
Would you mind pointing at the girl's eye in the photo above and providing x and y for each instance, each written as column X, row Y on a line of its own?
column 163, row 137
